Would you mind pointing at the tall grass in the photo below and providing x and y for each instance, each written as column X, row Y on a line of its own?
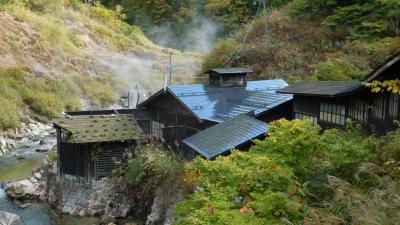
column 19, row 88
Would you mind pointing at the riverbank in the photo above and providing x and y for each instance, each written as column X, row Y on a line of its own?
column 22, row 160
column 27, row 133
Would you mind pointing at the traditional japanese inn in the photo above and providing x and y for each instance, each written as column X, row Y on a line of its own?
column 330, row 103
column 211, row 119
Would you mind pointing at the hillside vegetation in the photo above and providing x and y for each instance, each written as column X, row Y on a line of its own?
column 314, row 39
column 52, row 53
column 298, row 175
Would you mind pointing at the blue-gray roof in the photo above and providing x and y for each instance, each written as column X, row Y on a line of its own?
column 217, row 104
column 225, row 136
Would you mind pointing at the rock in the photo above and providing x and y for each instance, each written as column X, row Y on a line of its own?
column 107, row 220
column 111, row 223
column 11, row 144
column 8, row 218
column 45, row 148
column 21, row 190
column 25, row 205
column 42, row 142
column 19, row 157
column 3, row 142
column 37, row 175
column 48, row 128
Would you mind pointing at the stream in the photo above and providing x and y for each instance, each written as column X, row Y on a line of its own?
column 13, row 169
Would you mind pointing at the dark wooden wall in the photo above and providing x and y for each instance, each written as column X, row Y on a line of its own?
column 92, row 161
column 279, row 112
column 311, row 105
column 171, row 121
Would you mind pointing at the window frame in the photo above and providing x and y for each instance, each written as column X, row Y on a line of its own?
column 333, row 113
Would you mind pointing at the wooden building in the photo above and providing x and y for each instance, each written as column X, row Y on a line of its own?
column 180, row 111
column 330, row 103
column 89, row 147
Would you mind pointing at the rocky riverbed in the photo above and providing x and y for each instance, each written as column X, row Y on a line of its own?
column 24, row 187
column 23, row 153
column 25, row 135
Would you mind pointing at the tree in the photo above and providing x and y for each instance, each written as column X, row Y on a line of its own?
column 392, row 86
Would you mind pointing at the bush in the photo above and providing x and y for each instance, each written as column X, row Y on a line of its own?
column 8, row 114
column 151, row 166
column 298, row 175
column 339, row 69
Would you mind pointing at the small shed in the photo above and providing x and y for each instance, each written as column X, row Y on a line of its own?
column 92, row 146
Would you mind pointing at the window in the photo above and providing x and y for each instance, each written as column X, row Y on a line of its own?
column 332, row 113
column 301, row 116
column 378, row 107
column 394, row 105
column 358, row 109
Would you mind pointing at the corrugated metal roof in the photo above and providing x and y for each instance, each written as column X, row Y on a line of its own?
column 230, row 70
column 100, row 128
column 217, row 104
column 320, row 88
column 225, row 136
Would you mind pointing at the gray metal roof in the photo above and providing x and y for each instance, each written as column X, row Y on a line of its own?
column 217, row 104
column 225, row 136
column 230, row 70
column 320, row 88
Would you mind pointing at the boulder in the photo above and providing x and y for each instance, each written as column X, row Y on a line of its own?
column 19, row 156
column 21, row 190
column 45, row 148
column 42, row 142
column 3, row 142
column 37, row 175
column 107, row 220
column 8, row 218
column 25, row 205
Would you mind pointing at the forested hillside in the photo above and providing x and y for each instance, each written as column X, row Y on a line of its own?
column 306, row 39
column 56, row 53
column 314, row 39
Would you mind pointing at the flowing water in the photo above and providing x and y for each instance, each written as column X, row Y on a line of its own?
column 12, row 169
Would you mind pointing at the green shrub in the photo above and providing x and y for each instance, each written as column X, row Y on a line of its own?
column 47, row 104
column 298, row 175
column 8, row 113
column 339, row 69
column 151, row 166
column 45, row 5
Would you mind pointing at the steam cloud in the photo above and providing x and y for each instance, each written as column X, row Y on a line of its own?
column 201, row 35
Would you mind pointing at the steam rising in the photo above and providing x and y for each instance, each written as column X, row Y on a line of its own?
column 201, row 35
column 145, row 75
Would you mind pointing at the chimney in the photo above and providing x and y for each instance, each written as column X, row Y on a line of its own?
column 230, row 77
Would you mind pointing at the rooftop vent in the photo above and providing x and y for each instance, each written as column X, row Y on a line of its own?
column 230, row 77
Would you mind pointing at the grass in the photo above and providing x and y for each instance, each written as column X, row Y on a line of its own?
column 19, row 88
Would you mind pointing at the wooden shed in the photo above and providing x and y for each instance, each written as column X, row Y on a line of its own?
column 330, row 103
column 92, row 146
